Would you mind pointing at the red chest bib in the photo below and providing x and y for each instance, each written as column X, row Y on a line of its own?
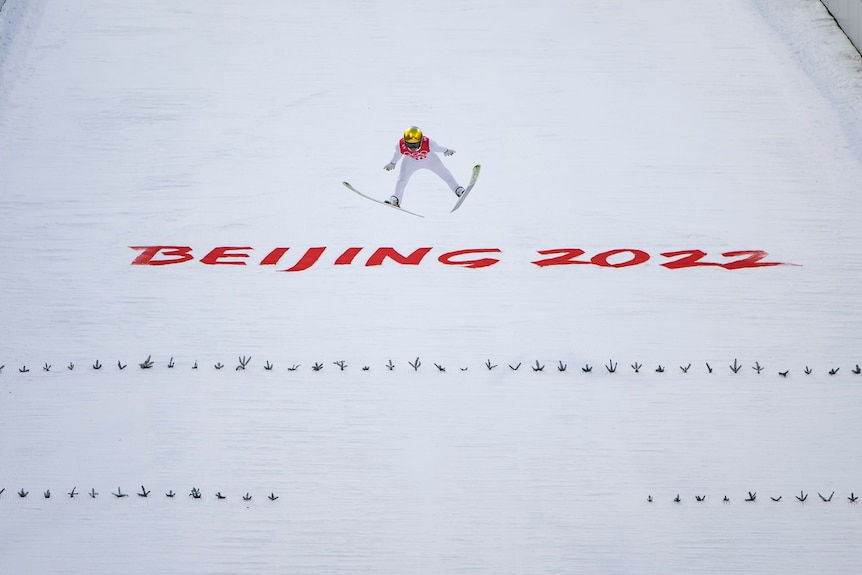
column 420, row 154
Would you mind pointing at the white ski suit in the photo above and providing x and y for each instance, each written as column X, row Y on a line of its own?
column 423, row 158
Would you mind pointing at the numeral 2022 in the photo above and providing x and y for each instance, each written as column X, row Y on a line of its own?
column 622, row 258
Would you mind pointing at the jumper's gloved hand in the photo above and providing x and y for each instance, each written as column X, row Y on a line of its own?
column 389, row 167
column 448, row 152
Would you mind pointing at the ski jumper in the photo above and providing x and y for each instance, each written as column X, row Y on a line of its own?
column 423, row 158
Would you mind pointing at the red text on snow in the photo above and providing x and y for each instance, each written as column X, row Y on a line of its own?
column 291, row 260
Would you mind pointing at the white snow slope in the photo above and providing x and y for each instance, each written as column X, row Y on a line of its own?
column 638, row 139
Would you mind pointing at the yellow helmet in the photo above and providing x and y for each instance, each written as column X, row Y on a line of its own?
column 412, row 135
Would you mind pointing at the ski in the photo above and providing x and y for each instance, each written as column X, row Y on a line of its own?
column 473, row 177
column 354, row 190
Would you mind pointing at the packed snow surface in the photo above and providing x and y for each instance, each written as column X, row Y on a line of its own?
column 651, row 293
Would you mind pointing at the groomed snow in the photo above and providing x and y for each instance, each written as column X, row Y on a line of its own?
column 630, row 132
